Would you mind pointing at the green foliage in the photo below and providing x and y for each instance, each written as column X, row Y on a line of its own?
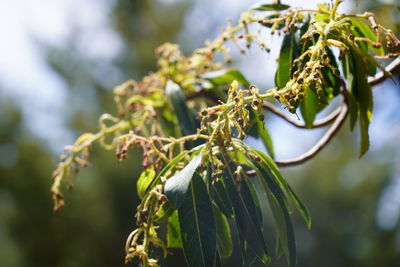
column 198, row 229
column 176, row 187
column 191, row 115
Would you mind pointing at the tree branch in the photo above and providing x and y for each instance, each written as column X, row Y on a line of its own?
column 392, row 68
column 321, row 143
column 339, row 118
column 317, row 124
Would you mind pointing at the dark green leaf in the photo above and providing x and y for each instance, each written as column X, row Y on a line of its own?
column 287, row 54
column 348, row 70
column 186, row 117
column 197, row 224
column 260, row 130
column 221, row 199
column 309, row 107
column 283, row 184
column 247, row 221
column 225, row 77
column 270, row 7
column 218, row 262
column 364, row 98
column 248, row 256
column 174, row 232
column 176, row 187
column 250, row 197
column 144, row 181
column 280, row 212
column 224, row 240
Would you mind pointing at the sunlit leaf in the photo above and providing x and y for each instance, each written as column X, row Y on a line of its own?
column 174, row 239
column 176, row 187
column 165, row 211
column 363, row 46
column 144, row 181
column 367, row 32
column 309, row 106
column 288, row 52
column 167, row 168
column 225, row 77
column 270, row 7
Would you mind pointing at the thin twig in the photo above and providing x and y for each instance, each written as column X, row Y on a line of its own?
column 321, row 143
column 392, row 68
column 317, row 124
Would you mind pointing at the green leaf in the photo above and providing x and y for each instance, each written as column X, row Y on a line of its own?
column 364, row 98
column 225, row 77
column 165, row 211
column 248, row 256
column 144, row 181
column 246, row 218
column 280, row 211
column 283, row 184
column 348, row 70
column 174, row 239
column 176, row 187
column 286, row 57
column 309, row 107
column 364, row 47
column 220, row 198
column 249, row 194
column 270, row 7
column 218, row 262
column 355, row 69
column 332, row 80
column 365, row 31
column 198, row 229
column 267, row 173
column 265, row 136
column 258, row 129
column 168, row 167
column 224, row 240
column 186, row 117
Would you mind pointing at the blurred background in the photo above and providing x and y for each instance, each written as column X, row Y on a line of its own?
column 59, row 61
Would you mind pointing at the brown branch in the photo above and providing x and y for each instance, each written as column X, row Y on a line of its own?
column 392, row 68
column 321, row 143
column 338, row 116
column 317, row 124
